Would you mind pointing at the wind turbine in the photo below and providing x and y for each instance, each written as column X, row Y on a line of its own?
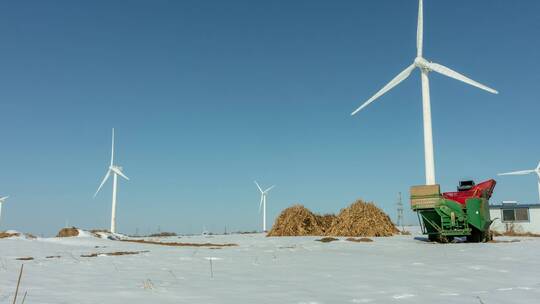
column 2, row 200
column 262, row 204
column 116, row 171
column 525, row 172
column 425, row 67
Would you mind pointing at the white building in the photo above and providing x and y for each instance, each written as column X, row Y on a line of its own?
column 514, row 216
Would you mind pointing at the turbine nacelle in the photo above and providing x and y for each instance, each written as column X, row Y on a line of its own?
column 422, row 63
column 118, row 170
column 264, row 192
column 268, row 189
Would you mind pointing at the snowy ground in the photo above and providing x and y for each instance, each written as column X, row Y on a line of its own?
column 296, row 270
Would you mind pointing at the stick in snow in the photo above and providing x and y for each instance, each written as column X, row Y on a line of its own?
column 18, row 283
column 24, row 298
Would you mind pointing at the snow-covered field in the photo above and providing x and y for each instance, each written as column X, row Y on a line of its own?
column 398, row 269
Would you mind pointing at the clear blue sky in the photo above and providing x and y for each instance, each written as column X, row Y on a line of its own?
column 207, row 96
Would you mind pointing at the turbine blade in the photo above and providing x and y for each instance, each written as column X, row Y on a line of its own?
column 538, row 167
column 112, row 148
column 523, row 172
column 2, row 199
column 441, row 69
column 265, row 191
column 119, row 172
column 394, row 82
column 260, row 204
column 260, row 189
column 420, row 29
column 103, row 181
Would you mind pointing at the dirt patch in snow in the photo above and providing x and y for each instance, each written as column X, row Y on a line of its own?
column 173, row 244
column 515, row 233
column 53, row 257
column 116, row 253
column 504, row 241
column 163, row 234
column 25, row 259
column 327, row 240
column 360, row 240
column 68, row 232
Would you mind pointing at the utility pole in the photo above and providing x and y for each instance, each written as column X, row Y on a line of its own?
column 399, row 212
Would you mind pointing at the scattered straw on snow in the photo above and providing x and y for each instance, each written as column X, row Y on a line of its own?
column 8, row 234
column 15, row 234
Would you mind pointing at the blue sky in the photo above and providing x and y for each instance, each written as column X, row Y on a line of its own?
column 207, row 96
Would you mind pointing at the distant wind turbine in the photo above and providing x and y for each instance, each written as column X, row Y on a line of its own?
column 425, row 67
column 262, row 204
column 525, row 172
column 2, row 201
column 116, row 171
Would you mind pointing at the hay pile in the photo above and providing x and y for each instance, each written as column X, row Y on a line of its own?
column 360, row 219
column 298, row 220
column 326, row 220
column 68, row 232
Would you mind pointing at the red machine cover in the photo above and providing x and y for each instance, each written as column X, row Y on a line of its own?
column 483, row 189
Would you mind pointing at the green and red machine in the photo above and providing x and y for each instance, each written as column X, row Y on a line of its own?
column 464, row 213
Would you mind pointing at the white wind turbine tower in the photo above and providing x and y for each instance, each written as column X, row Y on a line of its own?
column 116, row 171
column 425, row 67
column 525, row 172
column 262, row 204
column 2, row 201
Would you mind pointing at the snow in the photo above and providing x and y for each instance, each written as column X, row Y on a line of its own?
column 399, row 269
column 84, row 233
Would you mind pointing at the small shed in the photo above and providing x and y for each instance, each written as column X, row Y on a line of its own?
column 514, row 216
